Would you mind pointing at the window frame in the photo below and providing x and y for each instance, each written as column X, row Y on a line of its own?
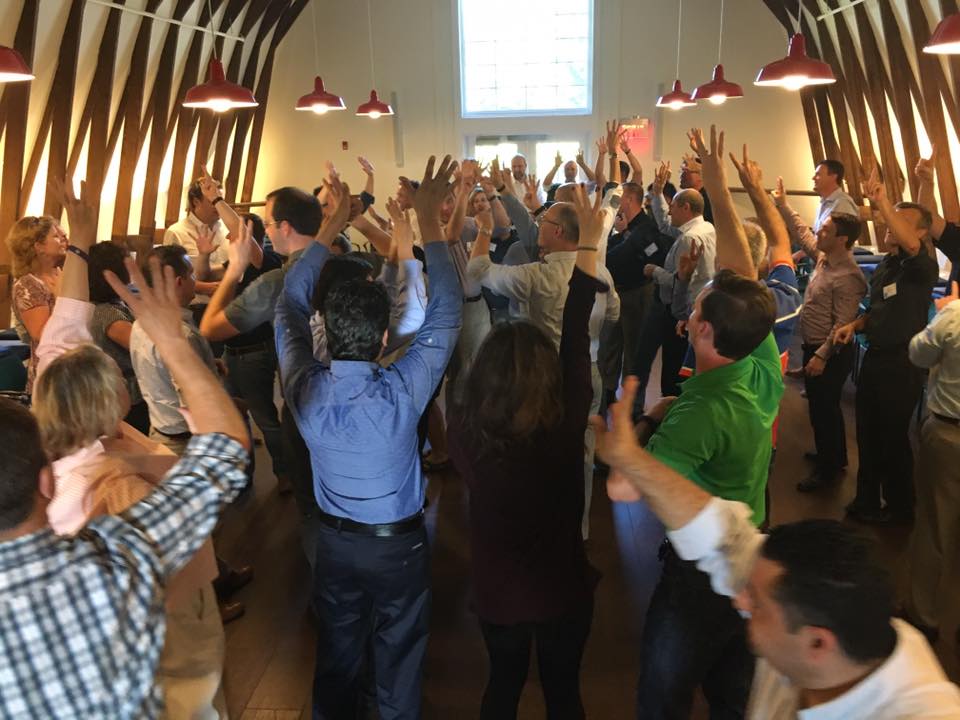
column 558, row 112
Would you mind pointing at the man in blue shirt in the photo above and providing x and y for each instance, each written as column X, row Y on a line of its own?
column 360, row 422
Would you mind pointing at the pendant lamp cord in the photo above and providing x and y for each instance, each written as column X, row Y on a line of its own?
column 213, row 37
column 679, row 25
column 373, row 77
column 720, row 42
column 799, row 13
column 316, row 51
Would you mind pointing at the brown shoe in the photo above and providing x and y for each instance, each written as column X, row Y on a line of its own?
column 230, row 611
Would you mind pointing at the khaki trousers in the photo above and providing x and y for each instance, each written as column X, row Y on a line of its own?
column 191, row 663
column 937, row 528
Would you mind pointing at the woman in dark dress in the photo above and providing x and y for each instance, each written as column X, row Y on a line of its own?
column 517, row 440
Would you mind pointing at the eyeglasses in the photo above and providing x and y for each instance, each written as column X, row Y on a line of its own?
column 272, row 222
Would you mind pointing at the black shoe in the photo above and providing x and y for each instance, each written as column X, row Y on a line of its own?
column 814, row 458
column 815, row 482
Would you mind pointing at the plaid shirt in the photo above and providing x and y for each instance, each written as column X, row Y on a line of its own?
column 82, row 617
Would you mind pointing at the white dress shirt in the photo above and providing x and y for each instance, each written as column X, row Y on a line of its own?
column 184, row 232
column 696, row 230
column 936, row 347
column 909, row 684
column 540, row 291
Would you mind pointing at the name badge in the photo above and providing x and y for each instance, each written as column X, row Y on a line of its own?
column 493, row 247
column 650, row 249
column 889, row 291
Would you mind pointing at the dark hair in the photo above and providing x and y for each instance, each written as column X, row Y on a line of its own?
column 514, row 388
column 631, row 188
column 669, row 190
column 833, row 579
column 926, row 217
column 847, row 226
column 356, row 314
column 741, row 311
column 194, row 194
column 173, row 255
column 834, row 167
column 336, row 271
column 317, row 189
column 259, row 229
column 300, row 210
column 20, row 463
column 624, row 170
column 106, row 256
column 342, row 243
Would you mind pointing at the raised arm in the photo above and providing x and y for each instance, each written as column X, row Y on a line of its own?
column 925, row 196
column 500, row 217
column 635, row 166
column 658, row 203
column 733, row 251
column 797, row 229
column 900, row 227
column 587, row 170
column 377, row 237
column 548, row 180
column 367, row 168
column 215, row 325
column 778, row 239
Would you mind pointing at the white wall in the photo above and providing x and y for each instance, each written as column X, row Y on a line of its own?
column 416, row 56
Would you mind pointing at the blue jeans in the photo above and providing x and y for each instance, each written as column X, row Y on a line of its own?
column 692, row 637
column 251, row 377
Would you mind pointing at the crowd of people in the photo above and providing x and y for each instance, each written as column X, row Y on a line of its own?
column 511, row 326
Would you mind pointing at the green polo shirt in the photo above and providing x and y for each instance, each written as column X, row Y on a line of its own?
column 718, row 432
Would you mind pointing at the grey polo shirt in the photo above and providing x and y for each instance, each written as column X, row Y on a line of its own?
column 258, row 302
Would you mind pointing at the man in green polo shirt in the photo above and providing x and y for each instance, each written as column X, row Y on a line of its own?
column 717, row 434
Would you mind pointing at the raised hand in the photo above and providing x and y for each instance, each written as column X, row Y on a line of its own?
column 209, row 187
column 433, row 190
column 581, row 160
column 687, row 262
column 751, row 175
column 589, row 217
column 614, row 132
column 661, row 177
column 711, row 159
column 779, row 194
column 339, row 207
column 81, row 214
column 531, row 199
column 622, row 141
column 509, row 186
column 484, row 220
column 496, row 174
column 204, row 240
column 402, row 230
column 557, row 161
column 925, row 169
column 617, row 444
column 872, row 187
column 365, row 165
column 239, row 250
column 601, row 146
column 941, row 303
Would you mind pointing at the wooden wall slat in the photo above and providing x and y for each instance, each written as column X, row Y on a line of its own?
column 102, row 89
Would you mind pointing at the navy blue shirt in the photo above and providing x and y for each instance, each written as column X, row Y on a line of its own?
column 359, row 419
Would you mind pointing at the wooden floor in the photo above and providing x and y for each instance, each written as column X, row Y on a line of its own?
column 270, row 651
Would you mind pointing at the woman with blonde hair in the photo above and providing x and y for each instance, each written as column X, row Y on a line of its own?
column 38, row 246
column 101, row 465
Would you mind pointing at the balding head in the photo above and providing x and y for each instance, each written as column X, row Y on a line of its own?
column 685, row 206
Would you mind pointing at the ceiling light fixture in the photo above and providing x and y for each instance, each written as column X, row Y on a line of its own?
column 374, row 107
column 797, row 70
column 319, row 101
column 677, row 98
column 719, row 89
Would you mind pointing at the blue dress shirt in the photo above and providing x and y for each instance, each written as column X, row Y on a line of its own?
column 359, row 420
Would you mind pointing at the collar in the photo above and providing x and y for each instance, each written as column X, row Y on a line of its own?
column 353, row 368
column 68, row 463
column 197, row 222
column 561, row 256
column 186, row 314
column 835, row 195
column 294, row 256
column 717, row 377
column 690, row 224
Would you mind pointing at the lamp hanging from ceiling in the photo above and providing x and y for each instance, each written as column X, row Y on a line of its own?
column 719, row 89
column 217, row 93
column 946, row 38
column 374, row 107
column 319, row 101
column 797, row 70
column 677, row 98
column 13, row 68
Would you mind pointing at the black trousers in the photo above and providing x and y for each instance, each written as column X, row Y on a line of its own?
column 560, row 645
column 887, row 395
column 364, row 582
column 659, row 333
column 692, row 637
column 826, row 415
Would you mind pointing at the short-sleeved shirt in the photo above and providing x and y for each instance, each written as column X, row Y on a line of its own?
column 257, row 303
column 29, row 292
column 263, row 333
column 900, row 291
column 717, row 433
column 104, row 315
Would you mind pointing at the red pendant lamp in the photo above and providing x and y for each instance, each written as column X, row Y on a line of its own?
column 319, row 101
column 677, row 98
column 946, row 38
column 719, row 89
column 374, row 107
column 217, row 93
column 12, row 66
column 797, row 70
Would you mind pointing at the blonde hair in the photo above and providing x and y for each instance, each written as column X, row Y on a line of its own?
column 22, row 241
column 77, row 400
column 757, row 240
